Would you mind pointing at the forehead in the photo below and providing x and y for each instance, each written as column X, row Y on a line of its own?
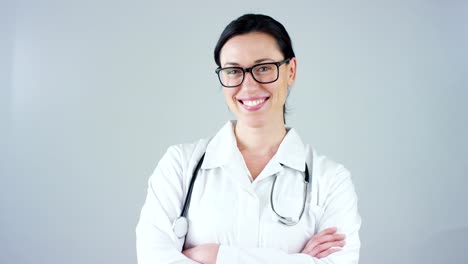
column 247, row 48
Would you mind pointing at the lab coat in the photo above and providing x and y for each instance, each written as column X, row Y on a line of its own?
column 230, row 209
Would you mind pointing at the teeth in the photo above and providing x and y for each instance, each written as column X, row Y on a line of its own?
column 253, row 102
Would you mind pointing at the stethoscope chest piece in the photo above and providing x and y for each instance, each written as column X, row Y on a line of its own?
column 180, row 227
column 288, row 221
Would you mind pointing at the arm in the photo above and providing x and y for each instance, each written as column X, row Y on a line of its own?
column 340, row 204
column 341, row 210
column 156, row 241
column 319, row 246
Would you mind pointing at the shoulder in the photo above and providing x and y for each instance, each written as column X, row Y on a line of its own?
column 186, row 152
column 329, row 176
column 327, row 168
column 322, row 166
column 178, row 159
column 194, row 150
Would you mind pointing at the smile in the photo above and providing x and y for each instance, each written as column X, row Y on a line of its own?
column 255, row 104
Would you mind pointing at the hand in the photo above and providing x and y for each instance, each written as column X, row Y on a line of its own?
column 324, row 243
column 206, row 253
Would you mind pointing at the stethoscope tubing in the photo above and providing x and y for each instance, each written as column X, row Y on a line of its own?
column 289, row 221
column 180, row 225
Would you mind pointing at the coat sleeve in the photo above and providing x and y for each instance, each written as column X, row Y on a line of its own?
column 155, row 239
column 340, row 210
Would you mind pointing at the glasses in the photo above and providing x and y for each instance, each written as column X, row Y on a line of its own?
column 262, row 73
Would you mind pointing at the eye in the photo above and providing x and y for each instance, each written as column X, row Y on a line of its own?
column 264, row 68
column 233, row 71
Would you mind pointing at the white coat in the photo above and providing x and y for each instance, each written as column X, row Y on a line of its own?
column 230, row 209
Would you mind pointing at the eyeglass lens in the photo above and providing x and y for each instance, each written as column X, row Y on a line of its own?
column 262, row 73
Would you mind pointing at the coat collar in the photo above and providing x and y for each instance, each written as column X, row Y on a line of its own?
column 292, row 152
column 223, row 148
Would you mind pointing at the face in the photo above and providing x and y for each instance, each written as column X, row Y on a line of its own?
column 253, row 103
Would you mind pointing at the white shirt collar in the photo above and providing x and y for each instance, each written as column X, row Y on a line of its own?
column 223, row 147
column 292, row 152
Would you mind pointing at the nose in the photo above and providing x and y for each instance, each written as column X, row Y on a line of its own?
column 249, row 82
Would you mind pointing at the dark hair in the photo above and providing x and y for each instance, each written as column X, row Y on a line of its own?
column 256, row 23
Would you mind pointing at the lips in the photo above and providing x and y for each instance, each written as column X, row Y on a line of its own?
column 253, row 104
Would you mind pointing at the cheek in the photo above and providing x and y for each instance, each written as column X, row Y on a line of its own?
column 279, row 88
column 229, row 95
column 281, row 92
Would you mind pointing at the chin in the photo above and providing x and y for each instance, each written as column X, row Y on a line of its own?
column 253, row 121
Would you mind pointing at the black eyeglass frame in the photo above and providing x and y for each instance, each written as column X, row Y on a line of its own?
column 244, row 70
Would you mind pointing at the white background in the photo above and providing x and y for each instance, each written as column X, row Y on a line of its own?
column 93, row 92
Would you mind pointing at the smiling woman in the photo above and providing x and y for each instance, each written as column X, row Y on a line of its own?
column 259, row 94
column 253, row 193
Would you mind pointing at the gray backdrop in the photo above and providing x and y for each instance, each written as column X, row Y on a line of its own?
column 93, row 92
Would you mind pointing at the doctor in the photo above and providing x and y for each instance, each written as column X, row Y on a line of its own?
column 253, row 193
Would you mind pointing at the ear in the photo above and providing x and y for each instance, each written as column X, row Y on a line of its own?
column 292, row 67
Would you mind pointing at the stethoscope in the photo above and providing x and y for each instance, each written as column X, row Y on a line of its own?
column 180, row 225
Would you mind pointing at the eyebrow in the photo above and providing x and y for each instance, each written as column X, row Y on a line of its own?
column 255, row 62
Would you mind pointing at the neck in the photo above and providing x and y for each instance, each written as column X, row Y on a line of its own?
column 263, row 140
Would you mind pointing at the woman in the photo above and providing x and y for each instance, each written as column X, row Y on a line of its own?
column 255, row 192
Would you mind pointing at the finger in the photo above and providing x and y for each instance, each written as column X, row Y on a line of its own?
column 327, row 252
column 316, row 240
column 330, row 238
column 326, row 246
column 327, row 231
column 323, row 239
column 187, row 253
